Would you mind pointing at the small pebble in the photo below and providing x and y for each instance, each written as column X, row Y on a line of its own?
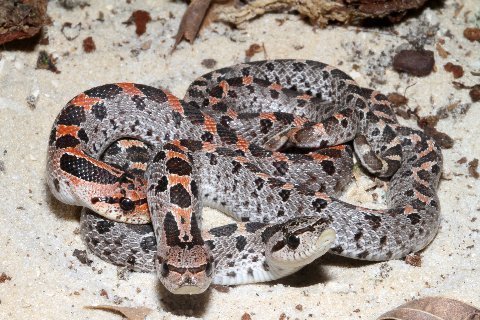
column 472, row 34
column 418, row 63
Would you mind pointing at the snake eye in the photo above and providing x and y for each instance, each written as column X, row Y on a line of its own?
column 164, row 269
column 292, row 241
column 126, row 204
column 208, row 269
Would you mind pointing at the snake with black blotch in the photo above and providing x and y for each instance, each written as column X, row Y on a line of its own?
column 219, row 146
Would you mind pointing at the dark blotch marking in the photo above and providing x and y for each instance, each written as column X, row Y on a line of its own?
column 67, row 141
column 72, row 115
column 194, row 189
column 414, row 218
column 192, row 145
column 148, row 244
column 179, row 167
column 328, row 167
column 278, row 246
column 284, row 194
column 284, row 117
column 207, row 136
column 99, row 110
column 172, row 233
column 193, row 114
column 253, row 227
column 106, row 91
column 220, row 107
column 358, row 235
column 265, row 125
column 82, row 135
column 162, row 185
column 159, row 156
column 281, row 167
column 180, row 196
column 241, row 242
column 85, row 170
column 139, row 102
column 216, row 92
column 270, row 231
column 363, row 255
column 373, row 220
column 224, row 231
column 274, row 94
column 383, row 241
column 152, row 93
column 236, row 166
column 259, row 182
column 319, row 204
column 104, row 226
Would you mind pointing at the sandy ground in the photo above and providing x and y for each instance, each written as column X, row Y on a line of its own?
column 41, row 279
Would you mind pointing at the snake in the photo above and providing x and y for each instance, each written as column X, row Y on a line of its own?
column 264, row 143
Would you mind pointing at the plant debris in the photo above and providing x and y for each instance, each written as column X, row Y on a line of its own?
column 220, row 288
column 89, row 45
column 319, row 13
column 441, row 51
column 455, row 69
column 428, row 125
column 414, row 259
column 254, row 49
column 432, row 308
column 131, row 313
column 418, row 63
column 71, row 32
column 472, row 34
column 191, row 21
column 472, row 168
column 82, row 256
column 140, row 18
column 246, row 316
column 22, row 19
column 209, row 63
column 47, row 61
column 474, row 90
column 4, row 277
column 397, row 99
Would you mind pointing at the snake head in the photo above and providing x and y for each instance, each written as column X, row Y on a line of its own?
column 187, row 270
column 300, row 241
column 123, row 201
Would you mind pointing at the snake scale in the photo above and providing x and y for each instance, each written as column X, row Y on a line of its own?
column 228, row 145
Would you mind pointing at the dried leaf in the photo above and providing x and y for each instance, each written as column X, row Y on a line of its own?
column 433, row 308
column 191, row 21
column 131, row 313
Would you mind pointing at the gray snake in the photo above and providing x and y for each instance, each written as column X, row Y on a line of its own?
column 219, row 146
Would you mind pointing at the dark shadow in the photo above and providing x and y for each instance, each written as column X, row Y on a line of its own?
column 310, row 275
column 184, row 305
column 25, row 45
column 61, row 210
column 314, row 273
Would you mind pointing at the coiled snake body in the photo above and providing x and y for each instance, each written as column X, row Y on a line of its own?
column 219, row 147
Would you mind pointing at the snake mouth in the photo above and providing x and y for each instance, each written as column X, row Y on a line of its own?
column 324, row 242
column 188, row 289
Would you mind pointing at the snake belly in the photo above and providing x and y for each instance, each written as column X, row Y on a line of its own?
column 203, row 157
